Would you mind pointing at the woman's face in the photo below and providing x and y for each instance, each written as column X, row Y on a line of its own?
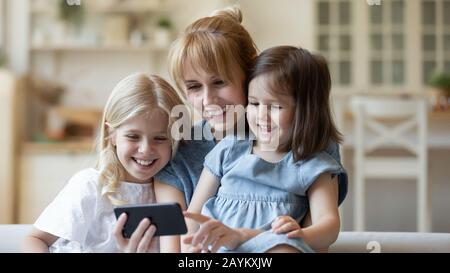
column 211, row 94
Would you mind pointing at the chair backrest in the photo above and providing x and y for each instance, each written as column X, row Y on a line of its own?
column 385, row 123
column 389, row 121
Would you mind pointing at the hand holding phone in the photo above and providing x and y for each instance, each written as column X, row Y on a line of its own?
column 166, row 217
column 141, row 241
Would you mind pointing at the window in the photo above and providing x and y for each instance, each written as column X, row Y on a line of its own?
column 435, row 42
column 334, row 38
column 387, row 43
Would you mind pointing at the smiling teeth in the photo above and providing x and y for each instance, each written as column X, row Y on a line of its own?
column 214, row 113
column 265, row 128
column 144, row 162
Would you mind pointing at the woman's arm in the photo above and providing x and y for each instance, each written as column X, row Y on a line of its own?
column 206, row 188
column 166, row 193
column 323, row 203
column 38, row 241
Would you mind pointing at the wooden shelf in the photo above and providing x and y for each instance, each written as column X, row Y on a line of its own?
column 71, row 147
column 432, row 115
column 125, row 48
column 129, row 7
column 442, row 115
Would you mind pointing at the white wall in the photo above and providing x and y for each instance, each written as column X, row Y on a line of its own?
column 17, row 35
column 2, row 22
column 7, row 146
column 272, row 23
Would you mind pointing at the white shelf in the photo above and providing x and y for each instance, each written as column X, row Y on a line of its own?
column 128, row 48
column 85, row 146
column 129, row 6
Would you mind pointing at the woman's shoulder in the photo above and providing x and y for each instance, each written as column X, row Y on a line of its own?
column 200, row 138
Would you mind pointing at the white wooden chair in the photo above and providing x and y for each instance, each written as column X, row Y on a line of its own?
column 374, row 117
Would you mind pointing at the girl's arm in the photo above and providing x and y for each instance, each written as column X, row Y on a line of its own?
column 166, row 193
column 38, row 241
column 213, row 232
column 323, row 202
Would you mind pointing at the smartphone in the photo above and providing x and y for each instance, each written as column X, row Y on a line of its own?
column 167, row 217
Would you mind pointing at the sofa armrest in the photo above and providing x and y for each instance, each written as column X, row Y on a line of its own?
column 390, row 242
column 12, row 236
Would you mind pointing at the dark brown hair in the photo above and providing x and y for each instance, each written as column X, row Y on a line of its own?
column 306, row 78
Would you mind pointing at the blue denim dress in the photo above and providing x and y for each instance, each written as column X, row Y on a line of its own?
column 253, row 192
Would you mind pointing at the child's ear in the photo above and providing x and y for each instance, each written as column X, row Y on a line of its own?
column 110, row 134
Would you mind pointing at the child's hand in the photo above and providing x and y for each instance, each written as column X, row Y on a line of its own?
column 211, row 233
column 286, row 224
column 140, row 241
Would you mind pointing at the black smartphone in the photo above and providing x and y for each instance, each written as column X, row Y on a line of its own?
column 167, row 217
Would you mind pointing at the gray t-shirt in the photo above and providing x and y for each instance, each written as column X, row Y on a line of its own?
column 183, row 171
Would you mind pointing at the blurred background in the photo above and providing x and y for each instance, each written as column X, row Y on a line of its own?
column 389, row 59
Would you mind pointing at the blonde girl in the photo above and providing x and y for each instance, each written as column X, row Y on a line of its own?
column 134, row 144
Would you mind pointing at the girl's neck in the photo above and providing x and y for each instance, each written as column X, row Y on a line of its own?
column 134, row 181
column 268, row 153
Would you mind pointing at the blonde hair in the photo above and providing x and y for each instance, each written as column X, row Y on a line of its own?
column 217, row 44
column 135, row 95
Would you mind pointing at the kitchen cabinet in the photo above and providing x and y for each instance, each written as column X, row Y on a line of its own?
column 44, row 170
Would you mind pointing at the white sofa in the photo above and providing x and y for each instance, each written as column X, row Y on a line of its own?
column 11, row 237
